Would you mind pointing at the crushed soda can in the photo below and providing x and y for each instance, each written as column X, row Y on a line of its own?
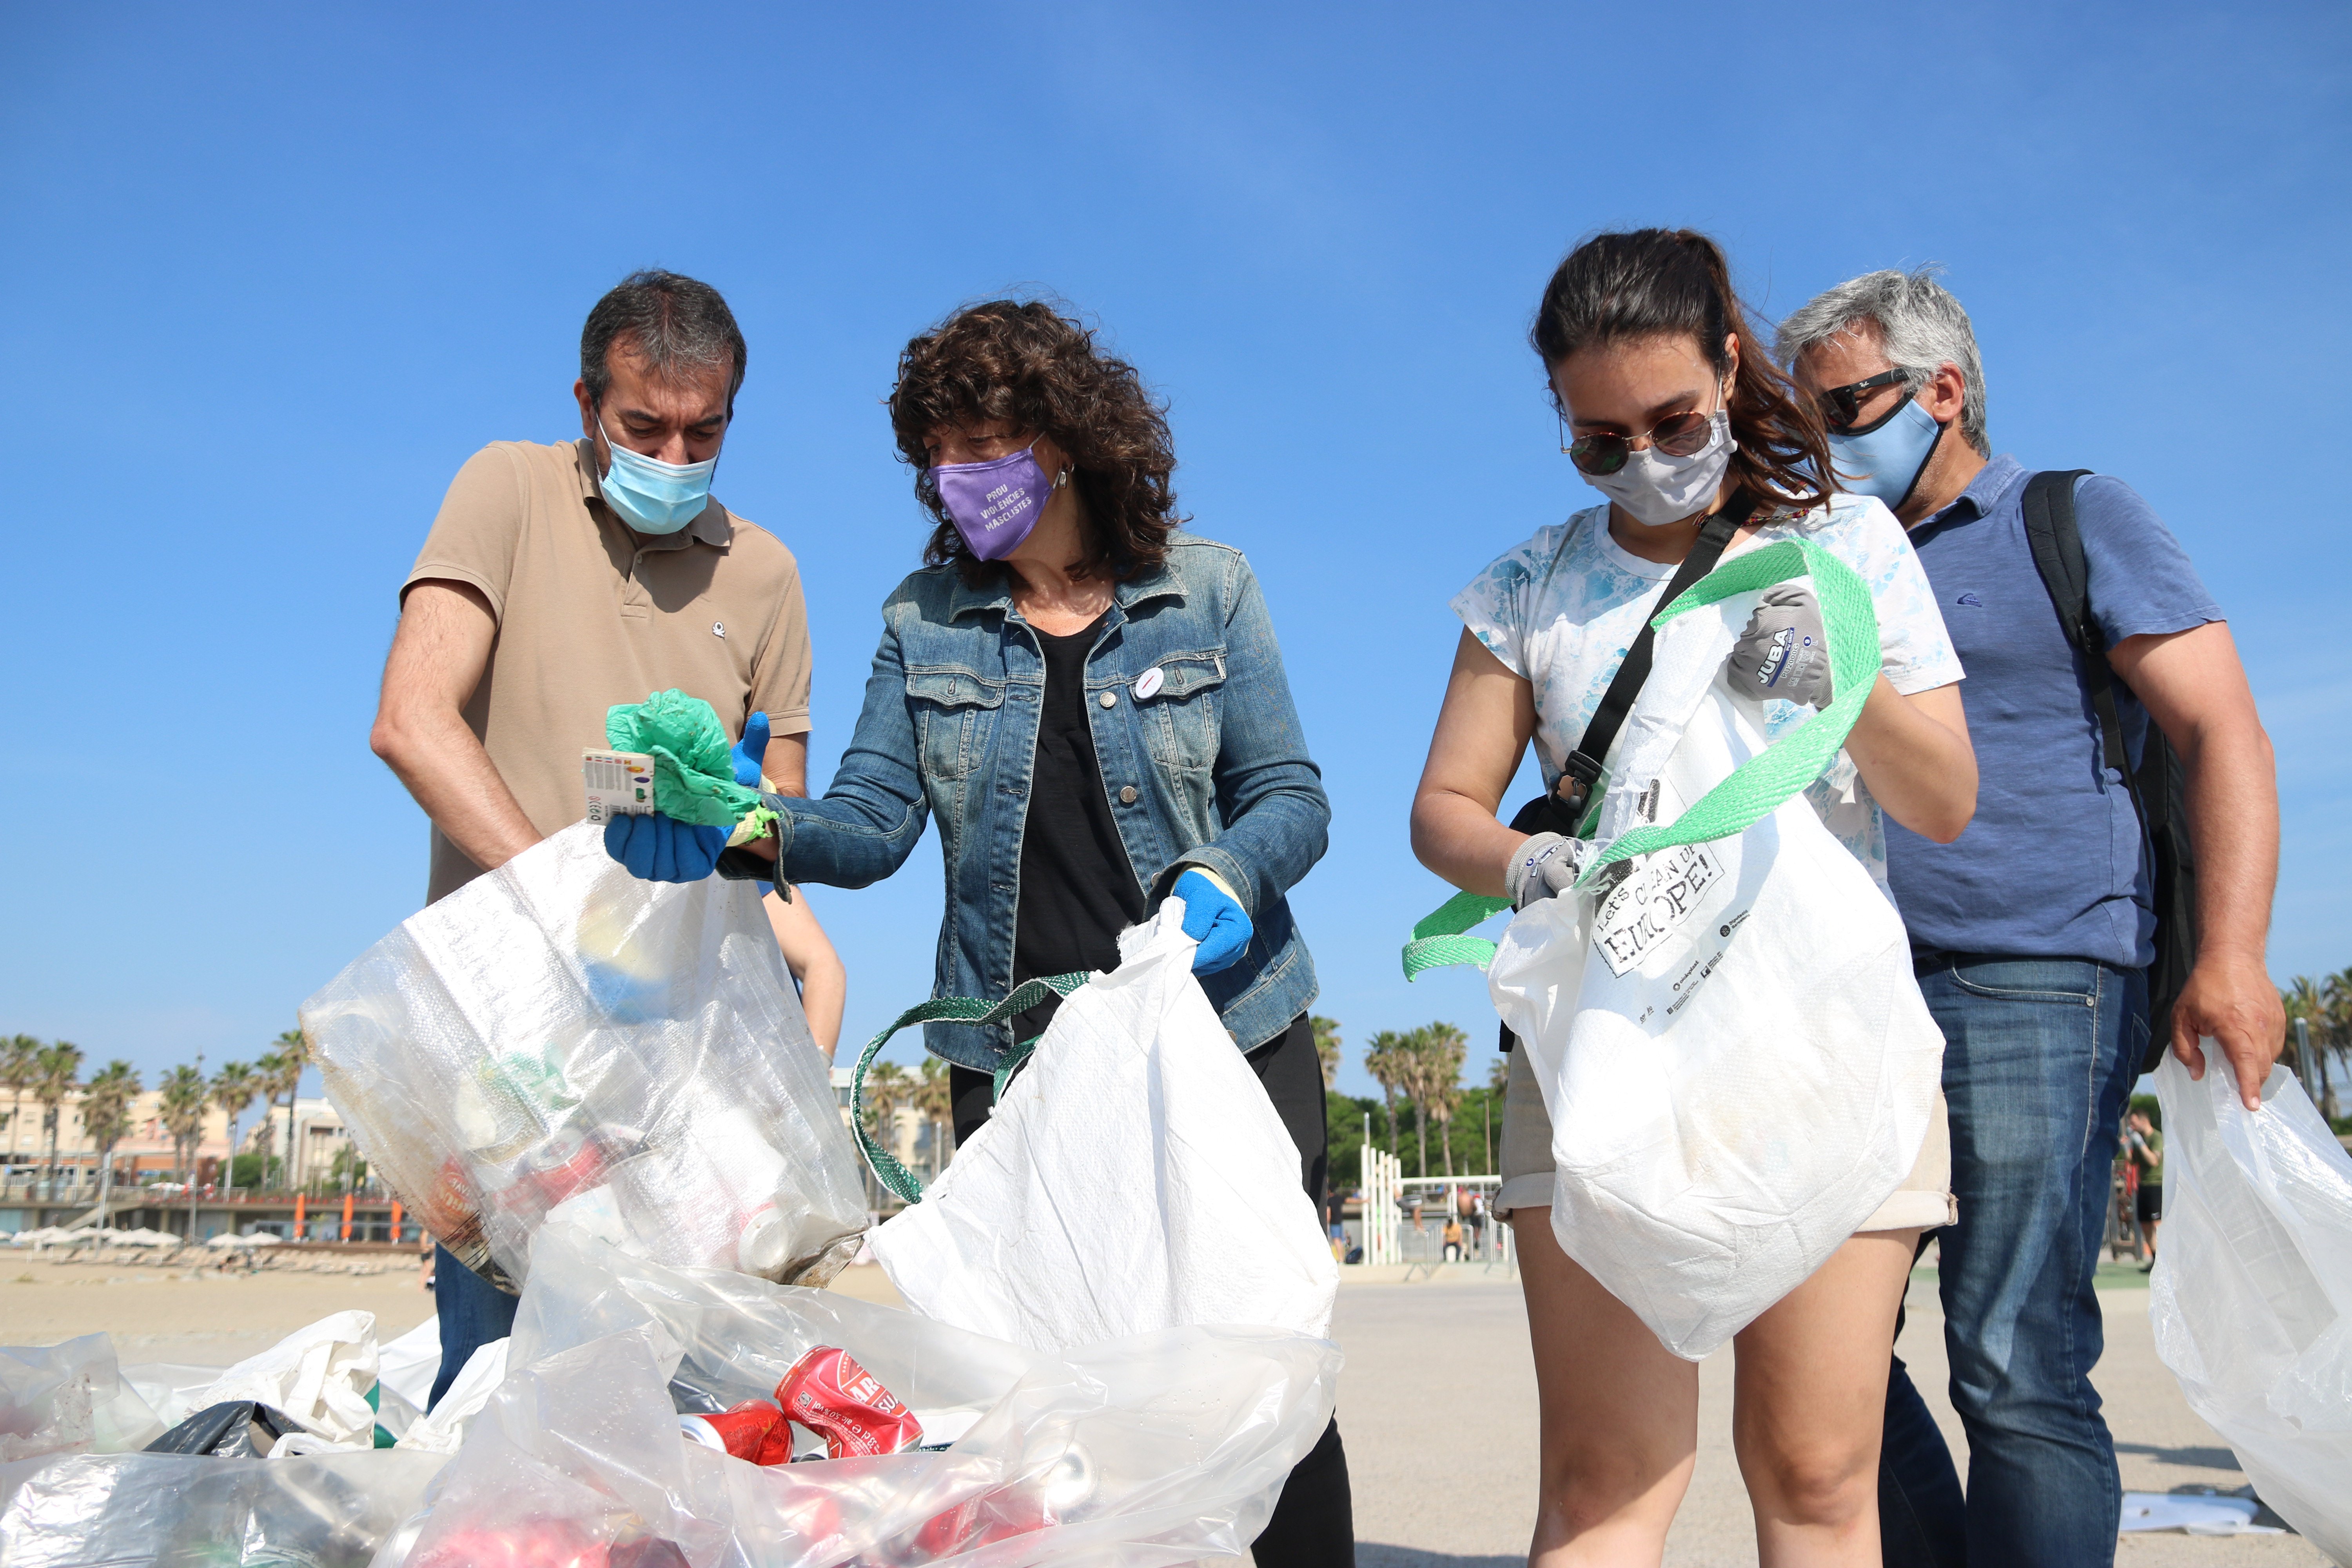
column 754, row 1430
column 828, row 1393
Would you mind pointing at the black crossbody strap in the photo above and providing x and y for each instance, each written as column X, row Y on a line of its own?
column 2057, row 543
column 1583, row 768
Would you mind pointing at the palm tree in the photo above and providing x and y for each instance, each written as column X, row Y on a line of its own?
column 105, row 1117
column 1387, row 1061
column 1418, row 1080
column 2309, row 999
column 233, row 1090
column 282, row 1075
column 20, row 1064
column 57, row 1072
column 1327, row 1047
column 935, row 1102
column 1444, row 1045
column 181, row 1105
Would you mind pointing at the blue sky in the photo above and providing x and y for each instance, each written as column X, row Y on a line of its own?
column 279, row 271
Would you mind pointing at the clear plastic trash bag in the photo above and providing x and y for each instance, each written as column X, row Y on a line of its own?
column 2251, row 1299
column 1161, row 1448
column 68, row 1398
column 174, row 1510
column 560, row 1035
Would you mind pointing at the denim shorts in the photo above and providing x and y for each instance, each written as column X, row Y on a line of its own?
column 1923, row 1202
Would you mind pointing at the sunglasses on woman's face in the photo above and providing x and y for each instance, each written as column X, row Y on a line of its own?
column 1841, row 405
column 1677, row 435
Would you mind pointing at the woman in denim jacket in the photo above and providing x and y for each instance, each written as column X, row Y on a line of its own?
column 1091, row 704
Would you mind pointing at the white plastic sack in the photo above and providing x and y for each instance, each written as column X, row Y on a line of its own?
column 116, row 1510
column 560, row 1032
column 1134, row 1177
column 1160, row 1449
column 319, row 1375
column 2251, row 1299
column 405, row 1368
column 444, row 1430
column 1738, row 1063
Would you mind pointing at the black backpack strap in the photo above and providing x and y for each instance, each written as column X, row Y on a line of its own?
column 2057, row 544
column 1574, row 793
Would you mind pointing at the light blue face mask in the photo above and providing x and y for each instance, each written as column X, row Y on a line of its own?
column 652, row 495
column 1886, row 459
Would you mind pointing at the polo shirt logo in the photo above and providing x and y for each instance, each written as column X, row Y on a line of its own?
column 718, row 629
column 1970, row 600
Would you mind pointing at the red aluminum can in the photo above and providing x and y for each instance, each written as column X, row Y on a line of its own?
column 753, row 1430
column 828, row 1393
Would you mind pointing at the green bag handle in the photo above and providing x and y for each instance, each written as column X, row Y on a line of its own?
column 1752, row 791
column 954, row 1010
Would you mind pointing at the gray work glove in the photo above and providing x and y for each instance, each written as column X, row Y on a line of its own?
column 1543, row 867
column 1783, row 653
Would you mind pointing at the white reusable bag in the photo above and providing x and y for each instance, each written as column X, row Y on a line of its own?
column 2251, row 1299
column 560, row 1034
column 1133, row 1177
column 1737, row 1061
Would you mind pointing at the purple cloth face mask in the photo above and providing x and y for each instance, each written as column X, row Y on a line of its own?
column 995, row 505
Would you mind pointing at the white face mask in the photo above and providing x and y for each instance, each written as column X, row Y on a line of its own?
column 1657, row 490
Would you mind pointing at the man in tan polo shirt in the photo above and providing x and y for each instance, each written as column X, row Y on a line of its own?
column 559, row 580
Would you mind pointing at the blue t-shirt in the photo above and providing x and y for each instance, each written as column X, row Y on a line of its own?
column 2053, row 864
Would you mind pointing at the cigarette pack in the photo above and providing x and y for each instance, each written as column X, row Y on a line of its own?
column 620, row 783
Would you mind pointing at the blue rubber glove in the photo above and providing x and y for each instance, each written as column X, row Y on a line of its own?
column 1213, row 920
column 657, row 849
column 752, row 751
column 749, row 752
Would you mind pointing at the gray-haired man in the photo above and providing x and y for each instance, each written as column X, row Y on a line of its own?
column 2032, row 930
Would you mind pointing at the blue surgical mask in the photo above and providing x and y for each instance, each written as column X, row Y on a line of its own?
column 652, row 495
column 1886, row 459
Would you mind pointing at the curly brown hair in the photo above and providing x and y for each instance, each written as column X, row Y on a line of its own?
column 1659, row 281
column 1029, row 365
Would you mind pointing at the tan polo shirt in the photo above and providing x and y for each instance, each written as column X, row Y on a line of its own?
column 590, row 614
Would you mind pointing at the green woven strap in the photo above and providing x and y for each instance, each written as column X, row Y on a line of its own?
column 952, row 1010
column 1438, row 941
column 1752, row 791
column 1755, row 789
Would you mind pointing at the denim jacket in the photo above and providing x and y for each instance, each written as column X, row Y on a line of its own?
column 1207, row 768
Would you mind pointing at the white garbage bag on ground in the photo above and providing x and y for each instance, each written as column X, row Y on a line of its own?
column 118, row 1511
column 2251, row 1299
column 444, row 1430
column 319, row 1375
column 1158, row 1449
column 1737, row 1062
column 405, row 1368
column 559, row 1033
column 1133, row 1177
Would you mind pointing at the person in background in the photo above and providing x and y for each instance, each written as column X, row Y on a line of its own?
column 1450, row 1237
column 559, row 580
column 2144, row 1146
column 1675, row 413
column 1091, row 703
column 2032, row 930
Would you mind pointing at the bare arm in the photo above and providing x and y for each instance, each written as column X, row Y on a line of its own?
column 437, row 658
column 1482, row 733
column 809, row 954
column 2194, row 687
column 1914, row 754
column 785, row 765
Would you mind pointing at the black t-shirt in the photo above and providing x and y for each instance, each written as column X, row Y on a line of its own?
column 1077, row 889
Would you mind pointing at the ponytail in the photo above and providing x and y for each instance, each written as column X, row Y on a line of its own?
column 1676, row 282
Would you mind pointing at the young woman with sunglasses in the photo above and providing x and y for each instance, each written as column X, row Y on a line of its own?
column 1670, row 407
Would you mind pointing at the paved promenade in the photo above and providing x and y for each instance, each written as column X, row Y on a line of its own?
column 1438, row 1407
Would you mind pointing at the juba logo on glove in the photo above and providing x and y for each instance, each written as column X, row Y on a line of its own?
column 1648, row 907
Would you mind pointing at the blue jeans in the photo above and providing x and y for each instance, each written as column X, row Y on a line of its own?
column 2039, row 1057
column 473, row 1313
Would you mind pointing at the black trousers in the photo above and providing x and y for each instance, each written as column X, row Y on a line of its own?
column 1314, row 1522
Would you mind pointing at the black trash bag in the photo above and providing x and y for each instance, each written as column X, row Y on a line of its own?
column 233, row 1429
